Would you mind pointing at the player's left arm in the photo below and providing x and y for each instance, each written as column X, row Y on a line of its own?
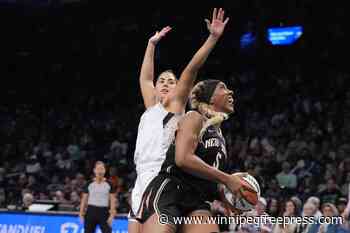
column 188, row 76
column 147, row 69
column 187, row 139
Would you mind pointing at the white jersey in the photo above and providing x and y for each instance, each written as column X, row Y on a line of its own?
column 156, row 132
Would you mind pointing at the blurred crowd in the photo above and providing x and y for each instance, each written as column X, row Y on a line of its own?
column 55, row 151
column 295, row 141
column 291, row 128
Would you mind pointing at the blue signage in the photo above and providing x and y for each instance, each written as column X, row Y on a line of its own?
column 284, row 35
column 247, row 40
column 50, row 223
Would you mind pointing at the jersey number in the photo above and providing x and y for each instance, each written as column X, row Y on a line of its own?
column 217, row 160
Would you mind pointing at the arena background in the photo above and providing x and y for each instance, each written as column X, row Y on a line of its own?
column 70, row 95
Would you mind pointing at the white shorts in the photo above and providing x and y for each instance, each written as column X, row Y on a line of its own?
column 142, row 181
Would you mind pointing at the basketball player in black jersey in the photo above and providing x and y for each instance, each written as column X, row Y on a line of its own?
column 194, row 166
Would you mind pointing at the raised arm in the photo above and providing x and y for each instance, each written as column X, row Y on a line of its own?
column 147, row 69
column 216, row 28
column 185, row 158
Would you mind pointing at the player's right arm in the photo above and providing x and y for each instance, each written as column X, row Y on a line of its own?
column 147, row 69
column 187, row 139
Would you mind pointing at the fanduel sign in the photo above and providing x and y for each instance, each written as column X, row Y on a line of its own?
column 41, row 223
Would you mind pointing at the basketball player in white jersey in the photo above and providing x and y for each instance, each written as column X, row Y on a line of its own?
column 165, row 103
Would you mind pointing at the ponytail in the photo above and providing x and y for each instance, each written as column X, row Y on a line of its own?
column 213, row 117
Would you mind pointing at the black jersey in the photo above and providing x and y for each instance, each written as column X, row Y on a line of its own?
column 212, row 150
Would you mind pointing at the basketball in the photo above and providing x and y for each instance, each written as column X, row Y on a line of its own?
column 249, row 194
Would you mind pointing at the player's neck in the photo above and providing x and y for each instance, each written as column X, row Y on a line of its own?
column 99, row 179
column 164, row 101
column 159, row 100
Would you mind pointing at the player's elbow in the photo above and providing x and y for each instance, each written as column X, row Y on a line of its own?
column 184, row 161
column 190, row 71
column 180, row 160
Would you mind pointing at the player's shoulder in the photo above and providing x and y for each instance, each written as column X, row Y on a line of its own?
column 152, row 107
column 194, row 115
column 192, row 121
column 193, row 118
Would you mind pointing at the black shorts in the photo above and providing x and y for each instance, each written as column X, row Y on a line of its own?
column 166, row 195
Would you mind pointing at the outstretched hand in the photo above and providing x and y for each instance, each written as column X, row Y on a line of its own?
column 159, row 35
column 217, row 25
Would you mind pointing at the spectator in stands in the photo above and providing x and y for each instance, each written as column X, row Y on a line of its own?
column 27, row 201
column 308, row 210
column 55, row 184
column 316, row 202
column 273, row 207
column 32, row 184
column 328, row 210
column 74, row 200
column 292, row 209
column 331, row 193
column 22, row 181
column 59, row 196
column 33, row 165
column 74, row 185
column 2, row 175
column 273, row 190
column 43, row 196
column 67, row 184
column 286, row 179
column 345, row 187
column 64, row 162
column 2, row 197
column 306, row 166
column 73, row 151
column 306, row 187
column 81, row 181
column 341, row 204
